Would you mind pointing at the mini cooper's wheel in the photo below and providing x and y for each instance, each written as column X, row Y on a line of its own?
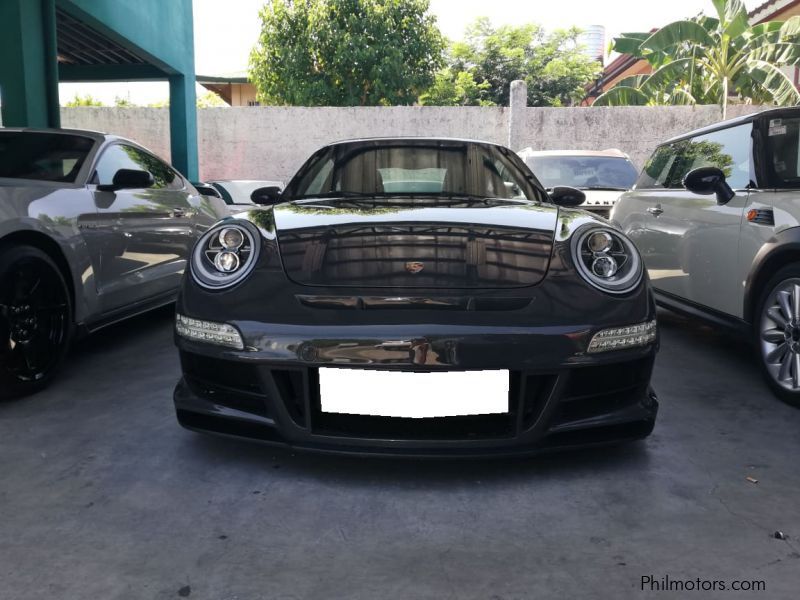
column 777, row 330
column 35, row 320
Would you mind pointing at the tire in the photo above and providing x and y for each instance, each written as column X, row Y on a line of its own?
column 776, row 329
column 36, row 323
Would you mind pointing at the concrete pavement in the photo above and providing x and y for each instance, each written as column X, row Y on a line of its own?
column 103, row 496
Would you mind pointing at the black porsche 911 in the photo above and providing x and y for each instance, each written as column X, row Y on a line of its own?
column 420, row 297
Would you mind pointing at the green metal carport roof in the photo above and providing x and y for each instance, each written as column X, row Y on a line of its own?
column 43, row 42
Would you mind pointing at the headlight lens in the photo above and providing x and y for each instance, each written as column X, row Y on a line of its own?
column 231, row 238
column 607, row 260
column 225, row 255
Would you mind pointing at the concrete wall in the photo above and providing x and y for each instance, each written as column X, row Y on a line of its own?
column 272, row 142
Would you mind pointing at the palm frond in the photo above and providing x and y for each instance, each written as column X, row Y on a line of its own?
column 622, row 95
column 774, row 81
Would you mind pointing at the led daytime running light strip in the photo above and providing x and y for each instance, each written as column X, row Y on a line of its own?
column 619, row 338
column 220, row 334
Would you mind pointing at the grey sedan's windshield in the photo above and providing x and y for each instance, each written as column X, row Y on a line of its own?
column 584, row 172
column 42, row 156
column 454, row 170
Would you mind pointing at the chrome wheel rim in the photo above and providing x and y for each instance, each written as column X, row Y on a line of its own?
column 780, row 335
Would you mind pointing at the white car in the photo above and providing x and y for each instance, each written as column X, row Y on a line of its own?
column 716, row 217
column 236, row 192
column 603, row 175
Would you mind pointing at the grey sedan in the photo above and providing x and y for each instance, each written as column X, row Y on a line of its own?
column 94, row 228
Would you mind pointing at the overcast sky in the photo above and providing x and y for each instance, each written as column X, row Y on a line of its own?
column 225, row 30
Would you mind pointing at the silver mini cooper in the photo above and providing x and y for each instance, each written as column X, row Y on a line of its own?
column 716, row 216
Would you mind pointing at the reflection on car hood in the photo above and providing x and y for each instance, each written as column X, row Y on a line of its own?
column 417, row 242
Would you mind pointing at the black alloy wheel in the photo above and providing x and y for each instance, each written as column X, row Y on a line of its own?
column 35, row 320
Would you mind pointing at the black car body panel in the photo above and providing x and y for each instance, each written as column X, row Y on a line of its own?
column 493, row 245
column 303, row 308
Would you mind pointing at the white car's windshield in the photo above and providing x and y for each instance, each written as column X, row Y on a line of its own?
column 584, row 172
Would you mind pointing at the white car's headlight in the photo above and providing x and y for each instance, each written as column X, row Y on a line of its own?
column 225, row 255
column 607, row 259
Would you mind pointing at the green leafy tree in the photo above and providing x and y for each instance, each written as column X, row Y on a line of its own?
column 456, row 88
column 210, row 100
column 345, row 52
column 86, row 100
column 705, row 60
column 122, row 102
column 482, row 66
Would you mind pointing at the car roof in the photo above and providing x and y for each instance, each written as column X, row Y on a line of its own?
column 97, row 135
column 608, row 152
column 795, row 110
column 412, row 138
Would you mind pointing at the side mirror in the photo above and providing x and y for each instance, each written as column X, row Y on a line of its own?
column 564, row 195
column 128, row 179
column 709, row 180
column 205, row 189
column 267, row 195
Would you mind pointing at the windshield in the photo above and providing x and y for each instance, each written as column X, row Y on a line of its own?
column 584, row 172
column 446, row 170
column 42, row 156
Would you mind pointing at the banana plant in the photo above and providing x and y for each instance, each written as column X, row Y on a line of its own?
column 705, row 60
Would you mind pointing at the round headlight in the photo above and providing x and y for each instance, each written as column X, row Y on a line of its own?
column 607, row 260
column 231, row 238
column 599, row 241
column 604, row 266
column 225, row 255
column 226, row 261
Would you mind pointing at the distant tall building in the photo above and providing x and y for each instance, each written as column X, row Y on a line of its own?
column 593, row 40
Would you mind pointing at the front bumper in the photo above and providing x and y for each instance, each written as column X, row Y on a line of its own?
column 557, row 398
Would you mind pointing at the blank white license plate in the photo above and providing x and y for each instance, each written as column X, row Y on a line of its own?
column 414, row 395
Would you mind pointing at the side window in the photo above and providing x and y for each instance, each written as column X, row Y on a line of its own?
column 783, row 153
column 165, row 176
column 656, row 170
column 121, row 156
column 727, row 149
column 113, row 159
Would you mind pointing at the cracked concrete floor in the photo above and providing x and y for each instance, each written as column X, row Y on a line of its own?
column 103, row 496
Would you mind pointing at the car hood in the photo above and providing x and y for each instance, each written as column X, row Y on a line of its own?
column 423, row 243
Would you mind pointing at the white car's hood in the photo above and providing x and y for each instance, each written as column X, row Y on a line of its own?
column 601, row 198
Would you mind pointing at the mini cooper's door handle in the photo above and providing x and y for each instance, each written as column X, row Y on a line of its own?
column 178, row 212
column 655, row 210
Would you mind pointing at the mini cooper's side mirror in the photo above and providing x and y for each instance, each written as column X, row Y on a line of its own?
column 709, row 180
column 564, row 195
column 267, row 195
column 128, row 179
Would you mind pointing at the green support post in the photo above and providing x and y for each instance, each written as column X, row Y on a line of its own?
column 28, row 76
column 183, row 124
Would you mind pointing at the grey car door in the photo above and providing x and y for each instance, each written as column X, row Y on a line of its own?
column 699, row 234
column 142, row 237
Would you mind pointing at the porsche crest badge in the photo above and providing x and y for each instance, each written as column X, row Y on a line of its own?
column 414, row 267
